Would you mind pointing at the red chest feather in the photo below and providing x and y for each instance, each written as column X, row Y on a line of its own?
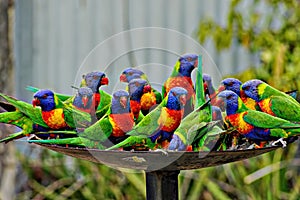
column 265, row 106
column 135, row 108
column 96, row 100
column 169, row 120
column 237, row 121
column 121, row 123
column 181, row 81
column 54, row 119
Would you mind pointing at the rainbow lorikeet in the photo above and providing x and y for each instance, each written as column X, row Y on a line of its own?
column 84, row 101
column 137, row 88
column 58, row 115
column 93, row 80
column 181, row 77
column 235, row 85
column 256, row 125
column 272, row 101
column 159, row 124
column 193, row 130
column 111, row 128
column 22, row 115
column 148, row 100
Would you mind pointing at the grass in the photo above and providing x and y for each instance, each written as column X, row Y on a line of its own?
column 273, row 175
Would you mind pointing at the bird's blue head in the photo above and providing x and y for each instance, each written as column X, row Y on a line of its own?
column 232, row 84
column 231, row 100
column 130, row 73
column 83, row 98
column 251, row 90
column 176, row 98
column 94, row 80
column 45, row 99
column 188, row 62
column 120, row 102
column 137, row 87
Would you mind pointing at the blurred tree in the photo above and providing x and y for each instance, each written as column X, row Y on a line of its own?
column 7, row 152
column 270, row 28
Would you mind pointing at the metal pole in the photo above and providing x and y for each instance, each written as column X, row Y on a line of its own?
column 162, row 185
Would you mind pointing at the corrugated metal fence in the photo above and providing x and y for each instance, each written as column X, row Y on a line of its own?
column 54, row 37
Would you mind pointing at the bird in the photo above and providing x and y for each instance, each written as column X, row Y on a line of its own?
column 148, row 100
column 193, row 127
column 272, row 101
column 94, row 80
column 108, row 130
column 137, row 88
column 84, row 101
column 256, row 125
column 181, row 77
column 58, row 115
column 235, row 85
column 158, row 126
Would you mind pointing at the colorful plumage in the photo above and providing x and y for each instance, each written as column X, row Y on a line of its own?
column 137, row 88
column 84, row 101
column 93, row 80
column 272, row 101
column 256, row 125
column 192, row 129
column 159, row 124
column 58, row 115
column 235, row 85
column 181, row 77
column 148, row 100
column 110, row 129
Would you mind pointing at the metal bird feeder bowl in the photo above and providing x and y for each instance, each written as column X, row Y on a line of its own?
column 162, row 183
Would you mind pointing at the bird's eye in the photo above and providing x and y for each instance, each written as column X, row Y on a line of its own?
column 247, row 88
column 95, row 77
column 44, row 96
column 230, row 83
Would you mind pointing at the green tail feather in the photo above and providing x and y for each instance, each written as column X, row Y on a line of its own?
column 131, row 141
column 12, row 136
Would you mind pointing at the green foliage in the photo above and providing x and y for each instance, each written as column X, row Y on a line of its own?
column 272, row 32
column 55, row 176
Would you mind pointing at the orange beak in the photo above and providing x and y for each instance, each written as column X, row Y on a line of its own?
column 35, row 102
column 84, row 100
column 104, row 81
column 123, row 78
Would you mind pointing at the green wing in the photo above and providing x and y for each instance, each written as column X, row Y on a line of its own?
column 149, row 123
column 263, row 120
column 33, row 113
column 157, row 96
column 99, row 131
column 269, row 91
column 286, row 109
column 77, row 141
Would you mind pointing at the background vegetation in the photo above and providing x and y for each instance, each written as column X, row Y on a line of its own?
column 274, row 36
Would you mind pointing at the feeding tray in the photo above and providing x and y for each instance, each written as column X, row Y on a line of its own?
column 158, row 160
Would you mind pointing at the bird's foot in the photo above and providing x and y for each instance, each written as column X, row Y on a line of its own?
column 31, row 136
column 281, row 141
column 164, row 152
